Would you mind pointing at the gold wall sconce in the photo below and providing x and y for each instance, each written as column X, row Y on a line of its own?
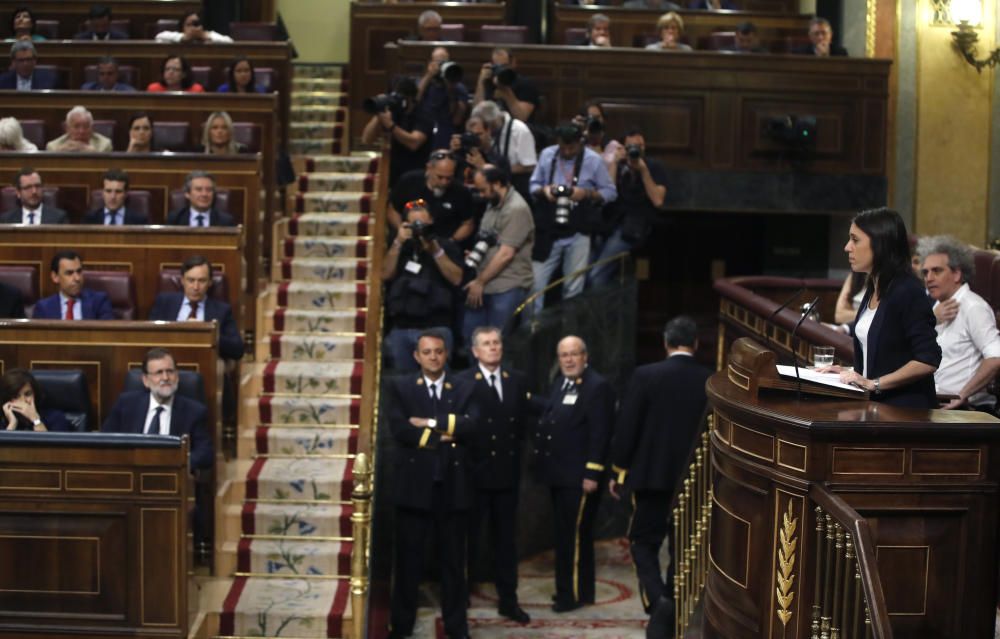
column 966, row 15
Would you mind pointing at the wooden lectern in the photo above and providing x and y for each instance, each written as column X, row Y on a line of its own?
column 923, row 483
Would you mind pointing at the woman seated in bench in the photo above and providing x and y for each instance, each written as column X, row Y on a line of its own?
column 20, row 401
column 176, row 76
column 22, row 26
column 670, row 28
column 140, row 133
column 217, row 136
column 241, row 78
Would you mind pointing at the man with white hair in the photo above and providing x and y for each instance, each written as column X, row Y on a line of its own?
column 513, row 140
column 429, row 26
column 80, row 135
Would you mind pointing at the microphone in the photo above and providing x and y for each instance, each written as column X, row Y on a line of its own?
column 795, row 351
column 770, row 318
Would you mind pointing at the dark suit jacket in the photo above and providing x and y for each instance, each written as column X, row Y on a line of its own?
column 40, row 79
column 495, row 447
column 835, row 50
column 659, row 420
column 166, row 306
column 571, row 443
column 96, row 305
column 11, row 305
column 50, row 215
column 902, row 330
column 182, row 217
column 420, row 453
column 54, row 420
column 112, row 34
column 96, row 86
column 188, row 417
column 131, row 217
column 702, row 5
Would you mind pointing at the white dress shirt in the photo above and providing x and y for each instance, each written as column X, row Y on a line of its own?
column 438, row 385
column 965, row 341
column 24, row 84
column 77, row 307
column 119, row 217
column 497, row 383
column 861, row 329
column 193, row 221
column 37, row 213
column 185, row 312
column 164, row 416
column 521, row 149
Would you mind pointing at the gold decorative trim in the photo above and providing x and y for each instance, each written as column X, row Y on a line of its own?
column 32, row 471
column 103, row 473
column 739, row 379
column 902, row 466
column 746, row 569
column 149, row 491
column 97, row 546
column 732, row 436
column 142, row 567
column 979, row 461
column 927, row 572
column 786, row 564
column 805, row 455
column 871, row 15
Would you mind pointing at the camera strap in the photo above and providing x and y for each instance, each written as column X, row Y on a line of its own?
column 504, row 149
column 576, row 167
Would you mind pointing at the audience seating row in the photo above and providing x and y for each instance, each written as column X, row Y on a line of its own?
column 167, row 136
column 138, row 200
column 71, row 15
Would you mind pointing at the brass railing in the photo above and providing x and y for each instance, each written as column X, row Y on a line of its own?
column 622, row 257
column 692, row 515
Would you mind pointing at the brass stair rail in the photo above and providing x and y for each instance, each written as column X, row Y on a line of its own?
column 531, row 298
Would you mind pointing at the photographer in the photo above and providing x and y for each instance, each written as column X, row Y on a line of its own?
column 499, row 81
column 570, row 185
column 407, row 128
column 475, row 148
column 450, row 204
column 443, row 97
column 592, row 121
column 641, row 184
column 513, row 140
column 422, row 273
column 501, row 255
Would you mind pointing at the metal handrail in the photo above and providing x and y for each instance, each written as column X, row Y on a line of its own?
column 531, row 298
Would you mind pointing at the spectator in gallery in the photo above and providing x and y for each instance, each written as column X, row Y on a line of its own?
column 22, row 26
column 23, row 76
column 12, row 137
column 80, row 135
column 500, row 82
column 217, row 136
column 670, row 28
column 31, row 209
column 200, row 211
column 73, row 301
column 821, row 42
column 241, row 78
column 99, row 26
column 176, row 76
column 429, row 26
column 22, row 404
column 140, row 133
column 107, row 77
column 193, row 30
column 599, row 31
column 114, row 194
column 747, row 40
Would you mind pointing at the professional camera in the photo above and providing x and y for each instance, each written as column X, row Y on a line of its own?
column 633, row 151
column 564, row 203
column 450, row 72
column 394, row 102
column 421, row 230
column 484, row 240
column 594, row 125
column 469, row 141
column 505, row 75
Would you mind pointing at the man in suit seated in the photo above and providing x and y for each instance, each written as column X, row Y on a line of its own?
column 28, row 185
column 194, row 304
column 107, row 77
column 73, row 301
column 159, row 410
column 22, row 75
column 199, row 190
column 114, row 212
column 821, row 40
column 99, row 23
column 80, row 135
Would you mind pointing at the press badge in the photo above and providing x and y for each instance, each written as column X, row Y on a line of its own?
column 414, row 267
column 570, row 399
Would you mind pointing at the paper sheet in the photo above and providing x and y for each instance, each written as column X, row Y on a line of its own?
column 826, row 379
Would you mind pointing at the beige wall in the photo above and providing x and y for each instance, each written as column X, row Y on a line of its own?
column 320, row 29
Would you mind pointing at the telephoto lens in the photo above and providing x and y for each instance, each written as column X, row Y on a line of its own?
column 564, row 203
column 484, row 240
column 451, row 72
column 633, row 151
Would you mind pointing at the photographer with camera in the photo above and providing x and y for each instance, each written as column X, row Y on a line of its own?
column 513, row 140
column 408, row 130
column 450, row 204
column 443, row 97
column 570, row 186
column 501, row 254
column 591, row 119
column 474, row 149
column 642, row 187
column 422, row 273
column 500, row 81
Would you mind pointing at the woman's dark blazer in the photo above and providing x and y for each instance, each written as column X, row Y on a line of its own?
column 902, row 330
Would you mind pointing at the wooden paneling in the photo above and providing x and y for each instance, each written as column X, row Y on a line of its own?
column 105, row 562
column 72, row 14
column 373, row 24
column 706, row 110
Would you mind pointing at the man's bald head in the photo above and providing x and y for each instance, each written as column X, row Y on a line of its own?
column 572, row 353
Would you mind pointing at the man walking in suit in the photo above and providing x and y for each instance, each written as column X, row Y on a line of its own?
column 28, row 185
column 571, row 444
column 502, row 401
column 199, row 190
column 658, row 424
column 159, row 410
column 114, row 212
column 73, row 301
column 22, row 75
column 430, row 426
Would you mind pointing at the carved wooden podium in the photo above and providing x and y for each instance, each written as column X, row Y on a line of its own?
column 826, row 511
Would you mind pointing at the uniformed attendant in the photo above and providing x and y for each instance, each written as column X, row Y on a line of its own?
column 429, row 423
column 659, row 421
column 572, row 442
column 502, row 401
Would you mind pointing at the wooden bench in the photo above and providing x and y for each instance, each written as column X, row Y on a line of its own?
column 72, row 14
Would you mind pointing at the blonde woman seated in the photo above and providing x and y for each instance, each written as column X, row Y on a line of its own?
column 670, row 27
column 12, row 137
column 217, row 136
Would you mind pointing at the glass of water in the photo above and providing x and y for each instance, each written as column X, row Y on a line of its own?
column 822, row 356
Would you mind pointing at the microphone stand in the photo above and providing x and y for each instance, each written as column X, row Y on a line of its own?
column 770, row 318
column 795, row 351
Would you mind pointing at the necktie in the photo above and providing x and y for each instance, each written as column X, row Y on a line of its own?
column 113, row 218
column 69, row 308
column 194, row 311
column 154, row 424
column 31, row 217
column 434, row 397
column 200, row 219
column 567, row 385
column 493, row 385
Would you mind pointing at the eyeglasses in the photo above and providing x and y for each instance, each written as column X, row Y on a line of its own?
column 442, row 155
column 419, row 203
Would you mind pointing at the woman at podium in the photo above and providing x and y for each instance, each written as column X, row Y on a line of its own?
column 895, row 344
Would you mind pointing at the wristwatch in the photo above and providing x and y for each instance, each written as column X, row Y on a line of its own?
column 876, row 389
column 432, row 423
column 36, row 422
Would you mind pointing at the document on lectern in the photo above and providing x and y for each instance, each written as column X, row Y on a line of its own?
column 826, row 379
